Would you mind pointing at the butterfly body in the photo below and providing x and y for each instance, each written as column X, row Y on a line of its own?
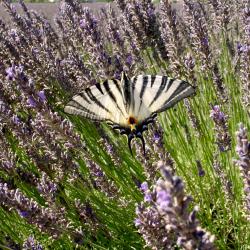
column 129, row 105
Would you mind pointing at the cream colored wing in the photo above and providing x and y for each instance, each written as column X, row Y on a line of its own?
column 100, row 102
column 157, row 93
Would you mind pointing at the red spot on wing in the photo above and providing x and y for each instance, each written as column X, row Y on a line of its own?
column 132, row 120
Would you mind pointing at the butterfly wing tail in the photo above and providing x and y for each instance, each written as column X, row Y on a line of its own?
column 130, row 138
column 139, row 135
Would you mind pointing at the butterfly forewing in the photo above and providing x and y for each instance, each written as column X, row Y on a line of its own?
column 100, row 102
column 160, row 92
column 75, row 108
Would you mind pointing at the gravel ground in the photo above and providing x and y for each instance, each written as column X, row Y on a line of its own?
column 50, row 9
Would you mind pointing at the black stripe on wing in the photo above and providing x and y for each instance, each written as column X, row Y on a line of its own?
column 95, row 100
column 144, row 84
column 170, row 82
column 182, row 86
column 74, row 107
column 152, row 80
column 85, row 98
column 127, row 92
column 182, row 91
column 133, row 93
column 98, row 86
column 118, row 86
column 111, row 95
column 160, row 90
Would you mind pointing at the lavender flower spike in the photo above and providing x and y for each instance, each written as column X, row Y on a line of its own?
column 243, row 151
column 165, row 221
column 223, row 138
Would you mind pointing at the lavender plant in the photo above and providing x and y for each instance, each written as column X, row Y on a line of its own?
column 243, row 149
column 67, row 183
column 163, row 218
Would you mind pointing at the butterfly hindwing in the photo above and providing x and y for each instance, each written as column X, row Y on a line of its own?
column 100, row 102
column 160, row 92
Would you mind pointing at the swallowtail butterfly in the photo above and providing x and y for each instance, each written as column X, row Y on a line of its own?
column 129, row 105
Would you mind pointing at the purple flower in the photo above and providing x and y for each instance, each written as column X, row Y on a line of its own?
column 129, row 60
column 137, row 210
column 16, row 119
column 31, row 83
column 23, row 213
column 41, row 95
column 144, row 186
column 105, row 57
column 31, row 243
column 31, row 102
column 223, row 138
column 243, row 151
column 117, row 36
column 19, row 69
column 10, row 73
column 7, row 164
column 117, row 75
column 147, row 197
column 150, row 12
column 238, row 46
column 201, row 172
column 93, row 24
column 247, row 11
column 83, row 24
column 205, row 42
column 166, row 221
column 99, row 173
column 117, row 61
column 217, row 114
column 163, row 198
column 137, row 222
column 133, row 45
column 35, row 52
column 189, row 61
column 14, row 71
column 3, row 107
column 242, row 48
column 13, row 33
column 157, row 136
